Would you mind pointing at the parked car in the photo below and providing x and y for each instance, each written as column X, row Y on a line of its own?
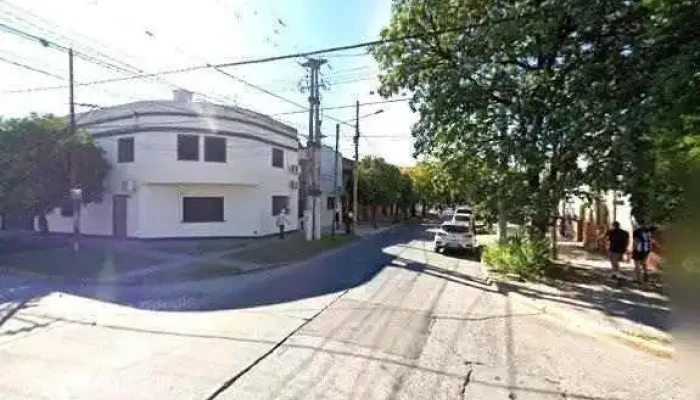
column 453, row 236
column 481, row 226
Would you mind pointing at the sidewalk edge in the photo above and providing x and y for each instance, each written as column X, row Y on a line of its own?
column 585, row 325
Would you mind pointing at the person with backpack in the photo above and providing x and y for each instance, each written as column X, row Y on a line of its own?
column 641, row 247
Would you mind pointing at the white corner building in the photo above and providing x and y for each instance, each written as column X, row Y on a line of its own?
column 189, row 169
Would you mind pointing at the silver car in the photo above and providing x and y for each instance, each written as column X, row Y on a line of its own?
column 453, row 236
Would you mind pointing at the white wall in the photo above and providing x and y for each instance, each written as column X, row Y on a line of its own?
column 327, row 170
column 162, row 216
column 247, row 180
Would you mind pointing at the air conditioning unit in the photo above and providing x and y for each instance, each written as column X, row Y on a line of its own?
column 294, row 169
column 294, row 185
column 128, row 186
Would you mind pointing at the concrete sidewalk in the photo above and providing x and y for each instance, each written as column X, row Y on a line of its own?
column 587, row 300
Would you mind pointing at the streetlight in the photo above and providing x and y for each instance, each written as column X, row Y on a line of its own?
column 355, row 170
column 354, row 179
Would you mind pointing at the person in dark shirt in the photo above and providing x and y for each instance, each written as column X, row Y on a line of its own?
column 618, row 240
column 641, row 248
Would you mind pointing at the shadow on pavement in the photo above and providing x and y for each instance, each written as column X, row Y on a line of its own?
column 332, row 272
column 632, row 305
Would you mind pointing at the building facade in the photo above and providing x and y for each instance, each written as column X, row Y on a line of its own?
column 189, row 169
column 331, row 183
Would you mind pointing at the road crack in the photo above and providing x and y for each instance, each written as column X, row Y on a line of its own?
column 274, row 348
column 465, row 382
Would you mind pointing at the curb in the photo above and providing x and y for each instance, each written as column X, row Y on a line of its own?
column 584, row 325
column 213, row 284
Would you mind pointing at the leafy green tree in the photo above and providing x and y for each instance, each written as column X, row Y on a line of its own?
column 529, row 102
column 34, row 156
column 382, row 184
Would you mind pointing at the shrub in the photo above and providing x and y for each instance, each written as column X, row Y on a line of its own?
column 520, row 255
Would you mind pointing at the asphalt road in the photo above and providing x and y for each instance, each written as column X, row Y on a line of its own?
column 384, row 318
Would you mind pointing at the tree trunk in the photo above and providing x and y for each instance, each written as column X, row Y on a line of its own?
column 502, row 222
column 374, row 217
column 43, row 223
column 554, row 237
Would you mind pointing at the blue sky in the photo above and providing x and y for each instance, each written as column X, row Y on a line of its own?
column 153, row 35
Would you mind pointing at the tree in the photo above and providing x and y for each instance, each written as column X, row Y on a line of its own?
column 382, row 184
column 527, row 101
column 34, row 155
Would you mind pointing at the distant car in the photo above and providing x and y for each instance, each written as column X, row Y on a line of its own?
column 461, row 219
column 453, row 236
column 481, row 226
column 463, row 210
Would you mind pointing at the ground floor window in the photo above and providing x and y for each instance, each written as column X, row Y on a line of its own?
column 330, row 203
column 202, row 209
column 279, row 203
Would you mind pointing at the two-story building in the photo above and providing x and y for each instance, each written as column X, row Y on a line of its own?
column 189, row 169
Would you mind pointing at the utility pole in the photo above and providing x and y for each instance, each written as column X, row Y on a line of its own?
column 75, row 191
column 355, row 170
column 314, row 65
column 335, row 178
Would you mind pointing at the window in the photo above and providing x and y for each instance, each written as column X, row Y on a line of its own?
column 277, row 158
column 455, row 228
column 215, row 149
column 188, row 147
column 278, row 203
column 330, row 203
column 125, row 150
column 202, row 209
column 462, row 218
column 67, row 208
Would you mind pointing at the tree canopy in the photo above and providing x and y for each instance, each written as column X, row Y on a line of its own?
column 34, row 155
column 530, row 102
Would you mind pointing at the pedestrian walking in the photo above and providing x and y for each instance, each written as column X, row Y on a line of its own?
column 282, row 221
column 641, row 247
column 348, row 222
column 618, row 240
column 336, row 219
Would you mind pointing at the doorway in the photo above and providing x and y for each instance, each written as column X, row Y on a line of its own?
column 119, row 212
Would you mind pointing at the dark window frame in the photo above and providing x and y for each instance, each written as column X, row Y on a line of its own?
column 180, row 147
column 276, row 208
column 198, row 216
column 124, row 156
column 279, row 159
column 215, row 155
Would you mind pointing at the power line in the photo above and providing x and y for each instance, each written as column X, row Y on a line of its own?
column 255, row 60
column 138, row 73
column 369, row 103
column 30, row 68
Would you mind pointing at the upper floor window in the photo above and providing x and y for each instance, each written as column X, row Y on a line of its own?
column 278, row 158
column 125, row 150
column 215, row 149
column 188, row 147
